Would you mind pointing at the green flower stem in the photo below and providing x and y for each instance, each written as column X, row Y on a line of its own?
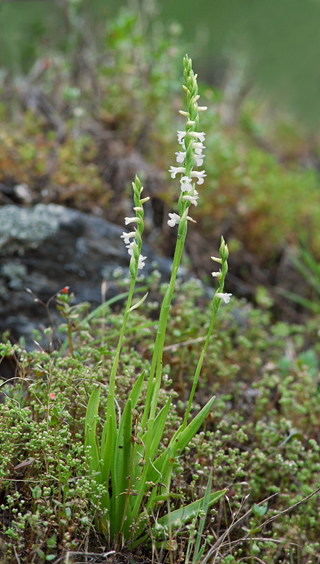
column 156, row 364
column 112, row 381
column 216, row 304
column 134, row 265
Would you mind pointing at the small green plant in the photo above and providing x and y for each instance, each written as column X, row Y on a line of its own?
column 130, row 468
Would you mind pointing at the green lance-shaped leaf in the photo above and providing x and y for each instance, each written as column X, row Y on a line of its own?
column 158, row 428
column 91, row 441
column 179, row 441
column 198, row 552
column 108, row 442
column 122, row 467
column 154, row 437
column 136, row 390
column 181, row 516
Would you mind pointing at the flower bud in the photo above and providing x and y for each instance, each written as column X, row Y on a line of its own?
column 224, row 252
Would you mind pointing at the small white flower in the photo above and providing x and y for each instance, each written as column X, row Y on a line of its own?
column 224, row 297
column 198, row 148
column 198, row 159
column 128, row 220
column 190, row 122
column 199, row 174
column 176, row 170
column 181, row 155
column 127, row 236
column 186, row 184
column 141, row 258
column 198, row 135
column 217, row 274
column 181, row 136
column 141, row 262
column 219, row 260
column 78, row 112
column 192, row 199
column 202, row 108
column 174, row 219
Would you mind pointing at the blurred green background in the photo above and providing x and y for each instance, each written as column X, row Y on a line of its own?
column 277, row 41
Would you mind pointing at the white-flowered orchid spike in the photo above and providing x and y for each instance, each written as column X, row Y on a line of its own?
column 192, row 144
column 223, row 260
column 191, row 153
column 133, row 239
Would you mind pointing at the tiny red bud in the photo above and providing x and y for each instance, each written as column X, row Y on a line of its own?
column 65, row 290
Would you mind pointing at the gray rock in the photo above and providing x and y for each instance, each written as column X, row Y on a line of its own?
column 47, row 247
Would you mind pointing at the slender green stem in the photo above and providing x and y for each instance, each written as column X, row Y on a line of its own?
column 156, row 364
column 216, row 304
column 112, row 382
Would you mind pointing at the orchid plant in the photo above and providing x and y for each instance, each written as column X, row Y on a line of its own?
column 131, row 470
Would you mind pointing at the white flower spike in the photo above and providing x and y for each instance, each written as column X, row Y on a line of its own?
column 132, row 240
